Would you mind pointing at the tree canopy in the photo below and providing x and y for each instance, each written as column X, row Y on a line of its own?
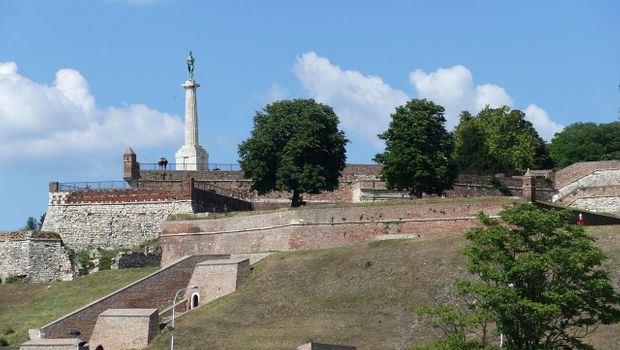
column 295, row 146
column 499, row 140
column 418, row 150
column 580, row 142
column 540, row 279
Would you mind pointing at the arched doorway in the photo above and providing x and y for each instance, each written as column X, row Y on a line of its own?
column 194, row 301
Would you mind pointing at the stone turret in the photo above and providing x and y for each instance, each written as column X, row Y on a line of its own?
column 131, row 167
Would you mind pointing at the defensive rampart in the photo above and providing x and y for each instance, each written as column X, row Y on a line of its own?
column 34, row 256
column 321, row 228
column 154, row 291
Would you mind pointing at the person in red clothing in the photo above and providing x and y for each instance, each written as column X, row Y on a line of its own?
column 582, row 221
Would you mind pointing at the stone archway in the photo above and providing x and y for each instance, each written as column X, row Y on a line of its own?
column 194, row 300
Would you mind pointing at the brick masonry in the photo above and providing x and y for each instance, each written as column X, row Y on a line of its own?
column 35, row 256
column 216, row 278
column 319, row 228
column 118, row 329
column 154, row 291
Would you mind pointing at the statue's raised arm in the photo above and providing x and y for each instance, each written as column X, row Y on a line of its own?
column 190, row 66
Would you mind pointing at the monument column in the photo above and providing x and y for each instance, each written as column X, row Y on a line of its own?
column 191, row 156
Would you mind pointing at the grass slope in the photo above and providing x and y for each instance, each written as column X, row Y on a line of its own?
column 363, row 295
column 24, row 306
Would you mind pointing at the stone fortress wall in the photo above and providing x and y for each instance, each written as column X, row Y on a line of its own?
column 321, row 228
column 593, row 186
column 34, row 256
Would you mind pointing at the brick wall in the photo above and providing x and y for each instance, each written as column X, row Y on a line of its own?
column 125, row 329
column 318, row 228
column 126, row 195
column 154, row 291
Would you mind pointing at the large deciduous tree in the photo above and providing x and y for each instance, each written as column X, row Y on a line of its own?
column 540, row 278
column 586, row 142
column 418, row 150
column 499, row 140
column 295, row 146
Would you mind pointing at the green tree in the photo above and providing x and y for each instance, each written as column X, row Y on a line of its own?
column 499, row 139
column 471, row 152
column 418, row 150
column 31, row 224
column 295, row 146
column 540, row 279
column 580, row 142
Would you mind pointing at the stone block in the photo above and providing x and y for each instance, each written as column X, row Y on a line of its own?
column 118, row 329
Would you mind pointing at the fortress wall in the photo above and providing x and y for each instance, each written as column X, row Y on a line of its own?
column 318, row 228
column 108, row 225
column 605, row 204
column 154, row 291
column 126, row 195
column 573, row 172
column 36, row 256
column 597, row 178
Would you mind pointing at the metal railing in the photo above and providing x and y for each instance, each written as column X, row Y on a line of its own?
column 92, row 185
column 189, row 166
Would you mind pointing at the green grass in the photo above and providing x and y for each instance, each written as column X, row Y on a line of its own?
column 24, row 306
column 364, row 295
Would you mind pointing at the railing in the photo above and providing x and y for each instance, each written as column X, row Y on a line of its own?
column 190, row 166
column 92, row 185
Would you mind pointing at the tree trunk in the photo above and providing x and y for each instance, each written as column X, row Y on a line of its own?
column 295, row 200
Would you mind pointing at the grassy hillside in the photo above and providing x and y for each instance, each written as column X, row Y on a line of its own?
column 24, row 306
column 363, row 295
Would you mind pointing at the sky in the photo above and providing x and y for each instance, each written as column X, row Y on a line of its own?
column 82, row 80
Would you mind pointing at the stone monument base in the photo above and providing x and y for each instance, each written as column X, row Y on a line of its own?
column 192, row 157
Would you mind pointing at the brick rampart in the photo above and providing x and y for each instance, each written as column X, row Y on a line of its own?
column 155, row 291
column 319, row 228
column 126, row 195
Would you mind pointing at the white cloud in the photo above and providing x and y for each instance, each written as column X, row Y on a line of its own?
column 363, row 103
column 41, row 121
column 454, row 89
column 542, row 123
column 277, row 93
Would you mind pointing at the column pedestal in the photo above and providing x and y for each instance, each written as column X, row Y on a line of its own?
column 191, row 156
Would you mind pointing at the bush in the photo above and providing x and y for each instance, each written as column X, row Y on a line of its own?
column 3, row 342
column 85, row 259
column 13, row 279
column 105, row 259
column 495, row 182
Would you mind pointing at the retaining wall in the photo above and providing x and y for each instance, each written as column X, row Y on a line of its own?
column 34, row 256
column 573, row 172
column 319, row 228
column 108, row 225
column 155, row 291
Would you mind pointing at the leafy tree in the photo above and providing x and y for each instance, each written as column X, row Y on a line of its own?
column 295, row 146
column 418, row 150
column 499, row 139
column 540, row 279
column 33, row 224
column 471, row 152
column 586, row 142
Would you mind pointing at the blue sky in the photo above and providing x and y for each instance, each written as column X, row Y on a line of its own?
column 82, row 80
